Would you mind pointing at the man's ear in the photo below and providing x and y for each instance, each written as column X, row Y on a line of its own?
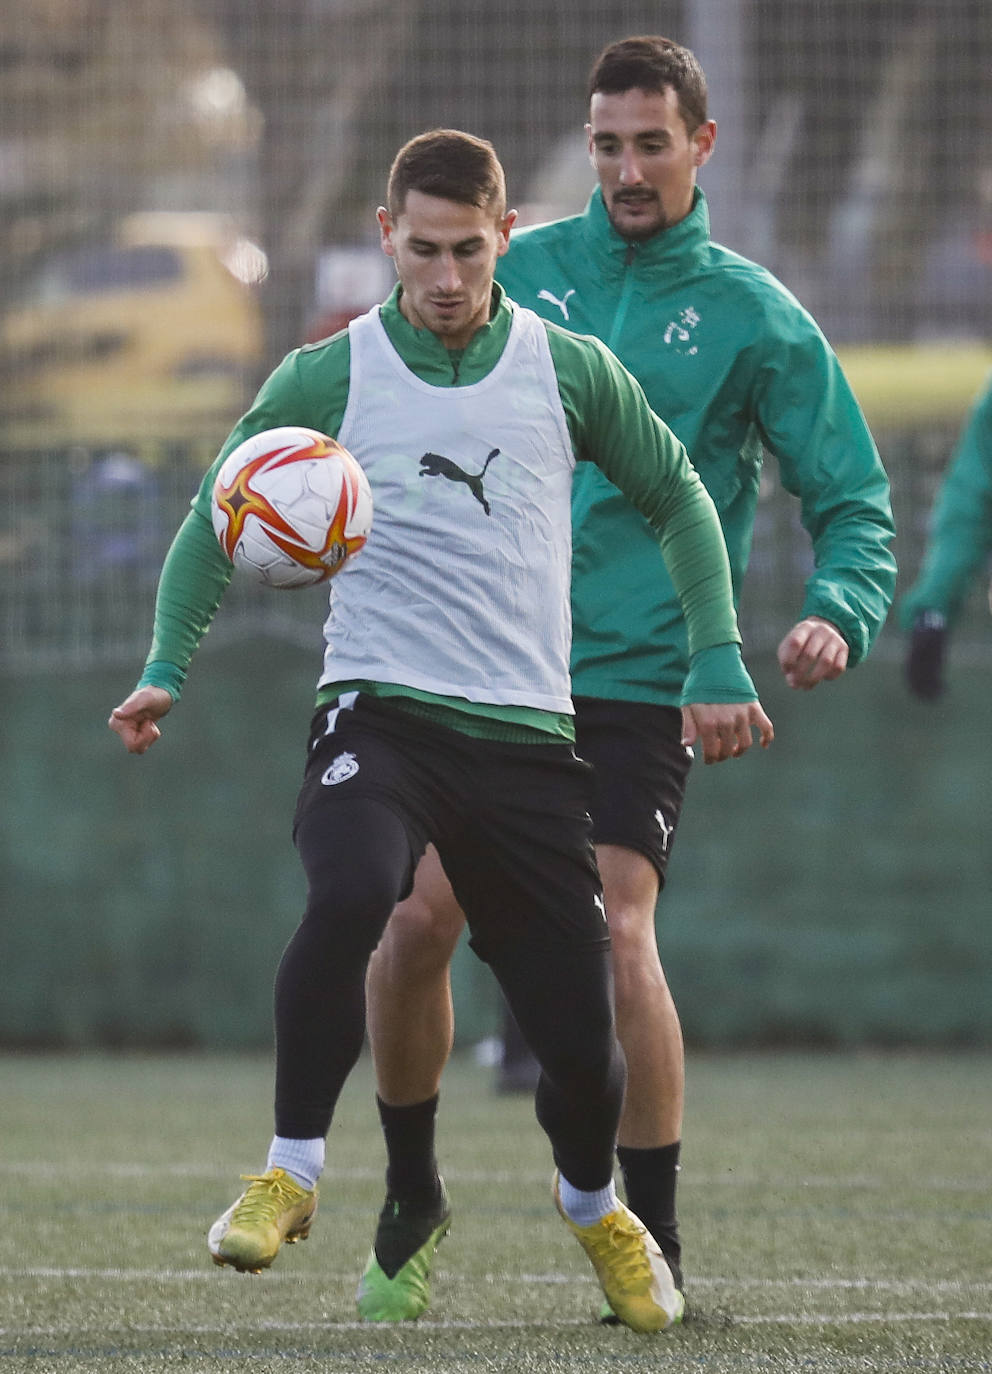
column 504, row 227
column 703, row 140
column 386, row 228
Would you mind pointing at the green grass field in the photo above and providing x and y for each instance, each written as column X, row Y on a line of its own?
column 836, row 1211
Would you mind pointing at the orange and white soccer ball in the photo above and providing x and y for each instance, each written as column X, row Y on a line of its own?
column 291, row 506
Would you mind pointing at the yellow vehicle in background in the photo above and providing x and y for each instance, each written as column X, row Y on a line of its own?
column 152, row 338
column 926, row 384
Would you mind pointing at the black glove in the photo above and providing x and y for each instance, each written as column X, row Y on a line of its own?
column 925, row 660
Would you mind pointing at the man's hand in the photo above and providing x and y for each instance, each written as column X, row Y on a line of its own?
column 813, row 651
column 134, row 720
column 925, row 659
column 724, row 731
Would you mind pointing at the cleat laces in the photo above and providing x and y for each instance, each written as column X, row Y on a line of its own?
column 265, row 1199
column 619, row 1245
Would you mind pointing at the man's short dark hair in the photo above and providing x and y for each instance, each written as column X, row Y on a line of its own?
column 451, row 165
column 651, row 63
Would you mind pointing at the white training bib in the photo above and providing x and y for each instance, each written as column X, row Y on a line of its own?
column 463, row 587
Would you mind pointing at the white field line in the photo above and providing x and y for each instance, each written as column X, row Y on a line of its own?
column 905, row 1287
column 860, row 1318
column 241, row 1328
column 111, row 1169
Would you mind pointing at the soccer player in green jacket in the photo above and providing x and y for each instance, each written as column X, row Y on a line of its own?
column 737, row 367
column 959, row 544
column 444, row 712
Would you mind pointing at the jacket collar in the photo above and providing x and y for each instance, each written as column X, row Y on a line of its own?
column 669, row 250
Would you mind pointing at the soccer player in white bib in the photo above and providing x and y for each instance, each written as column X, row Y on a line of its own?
column 444, row 711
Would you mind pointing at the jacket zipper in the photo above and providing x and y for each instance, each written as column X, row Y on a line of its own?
column 619, row 319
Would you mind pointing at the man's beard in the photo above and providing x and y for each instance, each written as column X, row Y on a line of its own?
column 636, row 233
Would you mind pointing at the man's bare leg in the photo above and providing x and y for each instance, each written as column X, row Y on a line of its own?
column 409, row 1012
column 649, row 1030
column 647, row 1023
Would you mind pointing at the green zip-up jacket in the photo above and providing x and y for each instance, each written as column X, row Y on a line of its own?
column 960, row 538
column 734, row 364
column 609, row 422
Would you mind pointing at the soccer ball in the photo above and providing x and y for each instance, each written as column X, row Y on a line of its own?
column 291, row 506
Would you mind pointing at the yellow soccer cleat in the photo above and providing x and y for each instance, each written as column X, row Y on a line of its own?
column 272, row 1209
column 631, row 1269
column 607, row 1316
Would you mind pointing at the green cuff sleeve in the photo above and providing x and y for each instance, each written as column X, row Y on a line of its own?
column 162, row 674
column 717, row 675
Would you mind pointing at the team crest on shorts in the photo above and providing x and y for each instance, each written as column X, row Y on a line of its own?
column 345, row 766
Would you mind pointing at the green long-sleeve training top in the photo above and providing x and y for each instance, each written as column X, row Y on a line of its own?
column 610, row 425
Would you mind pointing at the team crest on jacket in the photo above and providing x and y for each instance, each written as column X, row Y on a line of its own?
column 345, row 766
column 678, row 333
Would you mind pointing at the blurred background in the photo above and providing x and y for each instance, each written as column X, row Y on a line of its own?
column 187, row 191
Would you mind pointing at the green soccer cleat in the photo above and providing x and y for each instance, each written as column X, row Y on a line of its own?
column 272, row 1209
column 630, row 1267
column 395, row 1286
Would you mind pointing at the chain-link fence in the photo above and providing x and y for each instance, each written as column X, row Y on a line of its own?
column 187, row 191
column 84, row 538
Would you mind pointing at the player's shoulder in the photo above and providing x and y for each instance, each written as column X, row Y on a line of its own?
column 333, row 342
column 750, row 283
column 311, row 371
column 547, row 232
column 537, row 243
column 569, row 341
column 324, row 360
column 581, row 360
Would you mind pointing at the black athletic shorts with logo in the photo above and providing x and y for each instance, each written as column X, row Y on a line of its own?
column 511, row 825
column 510, row 821
column 640, row 767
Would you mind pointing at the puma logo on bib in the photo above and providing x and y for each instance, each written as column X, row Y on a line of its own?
column 436, row 465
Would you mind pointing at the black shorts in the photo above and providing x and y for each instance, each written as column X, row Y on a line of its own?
column 640, row 767
column 510, row 821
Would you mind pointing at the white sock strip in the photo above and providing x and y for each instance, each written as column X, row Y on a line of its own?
column 584, row 1208
column 303, row 1159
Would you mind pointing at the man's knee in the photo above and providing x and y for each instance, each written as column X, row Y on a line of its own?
column 638, row 977
column 630, row 892
column 423, row 930
column 632, row 934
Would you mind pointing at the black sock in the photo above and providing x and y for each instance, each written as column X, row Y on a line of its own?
column 650, row 1178
column 411, row 1169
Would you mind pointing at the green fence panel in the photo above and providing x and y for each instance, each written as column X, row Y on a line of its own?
column 835, row 889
